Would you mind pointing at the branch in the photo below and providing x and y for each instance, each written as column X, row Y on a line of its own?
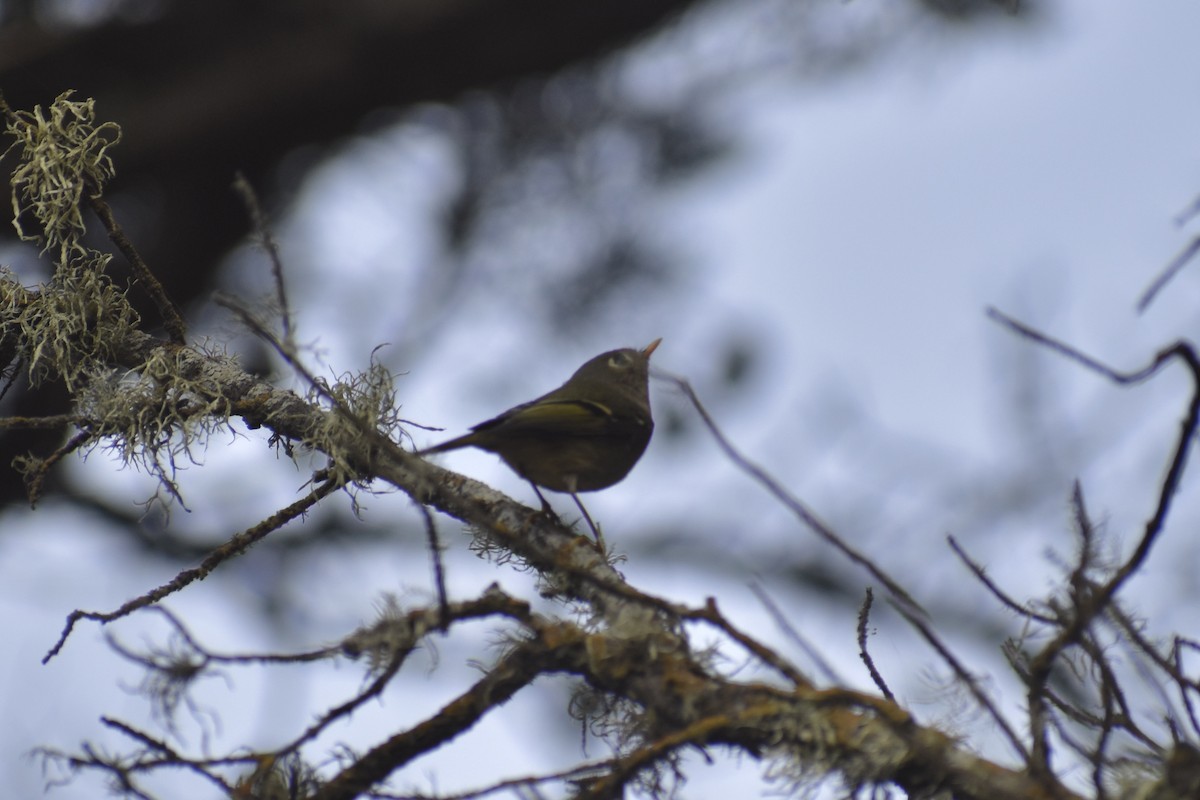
column 1168, row 273
column 793, row 504
column 1182, row 351
column 141, row 272
column 234, row 547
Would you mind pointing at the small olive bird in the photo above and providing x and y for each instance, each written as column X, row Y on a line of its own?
column 583, row 436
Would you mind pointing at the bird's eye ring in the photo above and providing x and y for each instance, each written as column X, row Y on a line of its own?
column 619, row 360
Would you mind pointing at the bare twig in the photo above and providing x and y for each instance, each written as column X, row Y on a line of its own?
column 1180, row 350
column 267, row 239
column 1091, row 599
column 864, row 615
column 1170, row 271
column 997, row 592
column 235, row 546
column 416, row 624
column 435, row 555
column 515, row 670
column 238, row 658
column 171, row 318
column 968, row 680
column 790, row 631
column 710, row 613
column 39, row 468
column 793, row 504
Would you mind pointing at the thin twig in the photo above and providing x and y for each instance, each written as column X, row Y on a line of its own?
column 10, row 372
column 712, row 614
column 516, row 670
column 439, row 572
column 1180, row 350
column 491, row 602
column 1090, row 599
column 997, row 592
column 864, row 615
column 807, row 516
column 171, row 318
column 790, row 631
column 1171, row 270
column 35, row 477
column 981, row 697
column 259, row 220
column 235, row 546
column 168, row 754
column 233, row 658
column 287, row 352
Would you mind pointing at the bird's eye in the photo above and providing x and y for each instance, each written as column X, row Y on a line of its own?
column 620, row 360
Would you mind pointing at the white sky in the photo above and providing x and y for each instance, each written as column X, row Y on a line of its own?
column 858, row 237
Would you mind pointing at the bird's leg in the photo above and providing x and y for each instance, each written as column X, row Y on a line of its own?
column 595, row 530
column 546, row 509
column 549, row 511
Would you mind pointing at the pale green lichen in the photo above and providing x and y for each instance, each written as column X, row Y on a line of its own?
column 366, row 413
column 154, row 416
column 73, row 324
column 63, row 153
column 809, row 752
column 386, row 641
column 78, row 327
column 287, row 778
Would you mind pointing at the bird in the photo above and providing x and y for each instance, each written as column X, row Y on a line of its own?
column 584, row 436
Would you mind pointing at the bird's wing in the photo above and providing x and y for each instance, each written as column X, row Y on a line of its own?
column 553, row 417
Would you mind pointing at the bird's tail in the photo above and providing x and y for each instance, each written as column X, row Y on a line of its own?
column 453, row 444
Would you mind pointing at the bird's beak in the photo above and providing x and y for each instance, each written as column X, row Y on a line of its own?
column 650, row 348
